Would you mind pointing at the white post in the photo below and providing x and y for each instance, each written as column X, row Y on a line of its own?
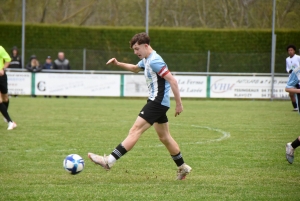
column 208, row 61
column 147, row 17
column 84, row 59
column 23, row 32
column 273, row 49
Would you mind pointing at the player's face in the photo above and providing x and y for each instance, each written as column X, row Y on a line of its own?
column 291, row 52
column 140, row 50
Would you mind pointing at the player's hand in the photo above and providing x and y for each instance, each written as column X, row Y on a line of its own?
column 178, row 109
column 1, row 72
column 112, row 61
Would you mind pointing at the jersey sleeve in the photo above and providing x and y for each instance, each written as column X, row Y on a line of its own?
column 141, row 65
column 293, row 81
column 4, row 56
column 287, row 65
column 159, row 67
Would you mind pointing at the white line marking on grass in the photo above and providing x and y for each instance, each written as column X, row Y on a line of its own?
column 224, row 136
column 224, row 133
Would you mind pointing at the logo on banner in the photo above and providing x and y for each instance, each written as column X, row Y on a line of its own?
column 41, row 86
column 221, row 87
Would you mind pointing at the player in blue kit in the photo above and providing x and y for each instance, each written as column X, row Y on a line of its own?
column 292, row 86
column 159, row 81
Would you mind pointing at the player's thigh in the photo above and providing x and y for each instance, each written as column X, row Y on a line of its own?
column 139, row 126
column 162, row 130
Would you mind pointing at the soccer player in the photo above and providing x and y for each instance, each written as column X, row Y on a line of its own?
column 5, row 60
column 292, row 86
column 159, row 80
column 292, row 62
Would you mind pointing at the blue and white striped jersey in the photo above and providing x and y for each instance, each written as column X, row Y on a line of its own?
column 294, row 78
column 154, row 70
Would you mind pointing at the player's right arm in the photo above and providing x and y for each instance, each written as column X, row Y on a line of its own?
column 126, row 66
column 4, row 56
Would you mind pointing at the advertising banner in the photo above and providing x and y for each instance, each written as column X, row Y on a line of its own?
column 247, row 87
column 189, row 86
column 19, row 83
column 77, row 84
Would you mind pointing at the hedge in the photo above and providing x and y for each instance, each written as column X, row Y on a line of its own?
column 184, row 49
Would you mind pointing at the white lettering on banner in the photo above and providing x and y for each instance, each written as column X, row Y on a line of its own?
column 191, row 86
column 19, row 83
column 77, row 84
column 247, row 87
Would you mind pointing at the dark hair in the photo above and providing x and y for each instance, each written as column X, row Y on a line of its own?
column 140, row 38
column 291, row 46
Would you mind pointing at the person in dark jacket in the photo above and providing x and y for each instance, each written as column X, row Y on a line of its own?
column 48, row 64
column 61, row 63
column 15, row 58
column 33, row 65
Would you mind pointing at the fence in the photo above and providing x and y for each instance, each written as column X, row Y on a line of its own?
column 87, row 59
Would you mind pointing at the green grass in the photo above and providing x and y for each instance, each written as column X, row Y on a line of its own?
column 249, row 165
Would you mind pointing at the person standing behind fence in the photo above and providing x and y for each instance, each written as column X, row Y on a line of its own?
column 292, row 62
column 48, row 65
column 61, row 63
column 15, row 58
column 33, row 65
column 5, row 60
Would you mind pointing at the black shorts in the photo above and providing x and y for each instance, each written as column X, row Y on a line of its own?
column 3, row 84
column 154, row 112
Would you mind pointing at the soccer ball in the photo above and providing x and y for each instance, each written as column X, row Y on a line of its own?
column 73, row 164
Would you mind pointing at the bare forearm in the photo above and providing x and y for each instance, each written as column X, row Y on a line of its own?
column 175, row 89
column 129, row 67
column 6, row 64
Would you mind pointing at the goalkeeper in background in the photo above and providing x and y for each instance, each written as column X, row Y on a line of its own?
column 4, row 63
column 292, row 62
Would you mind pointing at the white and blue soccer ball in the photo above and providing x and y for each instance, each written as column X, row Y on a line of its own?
column 73, row 164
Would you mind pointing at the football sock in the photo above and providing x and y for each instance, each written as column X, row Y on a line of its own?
column 6, row 104
column 118, row 152
column 178, row 159
column 4, row 112
column 294, row 104
column 296, row 143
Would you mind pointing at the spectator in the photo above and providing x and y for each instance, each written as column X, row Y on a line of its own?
column 61, row 63
column 15, row 58
column 48, row 63
column 33, row 65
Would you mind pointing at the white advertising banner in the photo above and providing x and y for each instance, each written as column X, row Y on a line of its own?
column 135, row 86
column 189, row 86
column 247, row 87
column 19, row 83
column 77, row 84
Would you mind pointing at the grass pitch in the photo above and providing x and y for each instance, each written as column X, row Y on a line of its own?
column 235, row 147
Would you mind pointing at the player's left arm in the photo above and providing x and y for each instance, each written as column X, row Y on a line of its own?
column 174, row 86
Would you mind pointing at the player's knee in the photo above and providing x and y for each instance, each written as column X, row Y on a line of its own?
column 164, row 139
column 5, row 98
column 134, row 131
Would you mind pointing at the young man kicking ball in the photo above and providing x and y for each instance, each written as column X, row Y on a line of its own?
column 159, row 80
column 292, row 86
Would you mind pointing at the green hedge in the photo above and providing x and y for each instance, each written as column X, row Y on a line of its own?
column 184, row 49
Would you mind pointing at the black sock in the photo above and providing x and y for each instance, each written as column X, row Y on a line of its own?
column 294, row 104
column 178, row 159
column 119, row 151
column 296, row 143
column 4, row 112
column 6, row 104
